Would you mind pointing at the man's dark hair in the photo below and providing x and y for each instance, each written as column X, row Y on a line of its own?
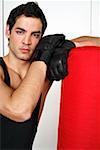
column 30, row 9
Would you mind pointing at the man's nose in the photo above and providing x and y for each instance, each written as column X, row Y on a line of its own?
column 27, row 40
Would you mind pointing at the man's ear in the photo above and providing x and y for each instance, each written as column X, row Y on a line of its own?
column 7, row 32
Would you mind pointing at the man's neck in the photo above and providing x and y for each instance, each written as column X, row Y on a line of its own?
column 19, row 66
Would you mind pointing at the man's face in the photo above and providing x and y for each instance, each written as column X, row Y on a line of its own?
column 24, row 37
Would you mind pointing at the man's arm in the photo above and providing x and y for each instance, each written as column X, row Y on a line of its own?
column 45, row 90
column 19, row 104
column 58, row 66
column 86, row 41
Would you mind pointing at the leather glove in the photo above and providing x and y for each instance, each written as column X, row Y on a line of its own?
column 46, row 46
column 58, row 69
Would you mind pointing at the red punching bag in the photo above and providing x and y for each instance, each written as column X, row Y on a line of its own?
column 79, row 118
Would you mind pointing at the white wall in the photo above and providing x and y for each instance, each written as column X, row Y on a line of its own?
column 95, row 18
column 73, row 18
column 1, row 30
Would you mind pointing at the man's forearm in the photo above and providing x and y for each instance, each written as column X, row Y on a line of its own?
column 86, row 41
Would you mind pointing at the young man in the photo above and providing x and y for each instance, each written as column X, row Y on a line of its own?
column 23, row 86
column 23, row 82
column 24, row 74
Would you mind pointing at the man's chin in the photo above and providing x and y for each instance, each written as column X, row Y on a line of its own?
column 25, row 58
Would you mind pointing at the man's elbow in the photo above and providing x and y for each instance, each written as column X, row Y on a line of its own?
column 18, row 115
column 22, row 117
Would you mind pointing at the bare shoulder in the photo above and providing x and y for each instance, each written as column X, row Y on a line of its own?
column 5, row 92
column 1, row 73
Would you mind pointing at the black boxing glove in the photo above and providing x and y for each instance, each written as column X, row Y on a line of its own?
column 46, row 46
column 57, row 69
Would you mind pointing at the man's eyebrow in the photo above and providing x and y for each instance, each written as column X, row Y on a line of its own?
column 25, row 30
column 36, row 32
column 20, row 29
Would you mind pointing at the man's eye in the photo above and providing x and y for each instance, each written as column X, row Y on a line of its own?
column 19, row 32
column 37, row 35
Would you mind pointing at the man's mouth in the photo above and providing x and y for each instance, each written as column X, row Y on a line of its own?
column 25, row 50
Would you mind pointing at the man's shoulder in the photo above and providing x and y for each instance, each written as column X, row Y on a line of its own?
column 1, row 74
column 1, row 69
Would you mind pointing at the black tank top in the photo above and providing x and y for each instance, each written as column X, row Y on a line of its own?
column 15, row 135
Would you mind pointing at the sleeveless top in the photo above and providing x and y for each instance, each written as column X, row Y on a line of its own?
column 17, row 135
